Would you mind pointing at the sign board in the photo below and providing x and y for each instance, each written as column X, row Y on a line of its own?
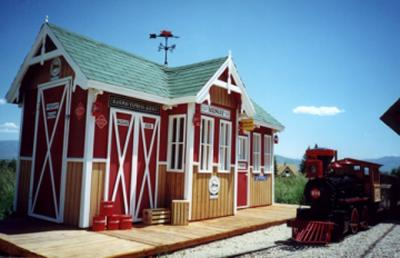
column 261, row 178
column 213, row 187
column 215, row 111
column 247, row 124
column 134, row 105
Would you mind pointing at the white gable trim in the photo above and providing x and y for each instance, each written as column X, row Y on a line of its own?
column 268, row 125
column 80, row 78
column 203, row 94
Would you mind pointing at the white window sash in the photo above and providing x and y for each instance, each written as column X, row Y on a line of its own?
column 268, row 154
column 173, row 146
column 225, row 143
column 206, row 145
column 256, row 153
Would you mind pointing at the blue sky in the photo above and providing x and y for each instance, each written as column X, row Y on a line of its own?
column 294, row 57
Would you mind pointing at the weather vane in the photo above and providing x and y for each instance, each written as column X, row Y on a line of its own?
column 166, row 35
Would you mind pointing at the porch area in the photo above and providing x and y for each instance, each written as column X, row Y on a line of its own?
column 29, row 237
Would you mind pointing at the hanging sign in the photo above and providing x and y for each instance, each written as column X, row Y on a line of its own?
column 134, row 105
column 215, row 111
column 149, row 126
column 123, row 122
column 247, row 124
column 261, row 178
column 213, row 187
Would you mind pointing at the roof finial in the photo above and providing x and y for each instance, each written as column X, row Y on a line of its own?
column 46, row 19
column 229, row 54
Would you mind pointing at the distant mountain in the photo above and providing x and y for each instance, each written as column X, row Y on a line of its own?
column 8, row 149
column 282, row 160
column 388, row 162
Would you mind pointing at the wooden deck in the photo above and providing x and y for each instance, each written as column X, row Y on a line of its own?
column 27, row 237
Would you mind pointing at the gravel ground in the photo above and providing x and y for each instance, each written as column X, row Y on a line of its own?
column 382, row 240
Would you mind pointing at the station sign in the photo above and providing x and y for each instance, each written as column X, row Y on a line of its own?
column 134, row 105
column 215, row 111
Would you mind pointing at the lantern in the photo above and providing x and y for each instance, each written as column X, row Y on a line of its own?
column 97, row 108
column 276, row 139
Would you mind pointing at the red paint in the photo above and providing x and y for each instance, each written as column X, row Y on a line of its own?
column 77, row 123
column 45, row 202
column 242, row 189
column 106, row 208
column 99, row 223
column 28, row 122
column 113, row 222
column 101, row 134
column 125, row 221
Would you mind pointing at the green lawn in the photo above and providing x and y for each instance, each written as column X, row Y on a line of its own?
column 7, row 179
column 289, row 189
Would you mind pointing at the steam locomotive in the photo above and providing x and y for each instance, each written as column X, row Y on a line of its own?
column 343, row 196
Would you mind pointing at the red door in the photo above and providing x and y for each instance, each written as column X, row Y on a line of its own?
column 133, row 155
column 48, row 169
column 243, row 164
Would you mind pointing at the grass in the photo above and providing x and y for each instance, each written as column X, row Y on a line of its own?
column 7, row 182
column 290, row 189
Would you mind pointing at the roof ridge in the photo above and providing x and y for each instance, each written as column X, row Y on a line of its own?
column 188, row 66
column 51, row 25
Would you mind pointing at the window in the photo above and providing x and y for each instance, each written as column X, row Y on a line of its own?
column 268, row 153
column 176, row 142
column 225, row 129
column 256, row 152
column 242, row 149
column 206, row 144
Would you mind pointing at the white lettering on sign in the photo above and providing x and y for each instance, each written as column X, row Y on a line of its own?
column 52, row 106
column 123, row 122
column 51, row 115
column 148, row 126
column 215, row 111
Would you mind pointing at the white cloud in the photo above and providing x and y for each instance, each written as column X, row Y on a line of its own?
column 317, row 111
column 3, row 101
column 9, row 127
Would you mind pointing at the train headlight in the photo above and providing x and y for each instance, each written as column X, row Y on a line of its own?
column 315, row 193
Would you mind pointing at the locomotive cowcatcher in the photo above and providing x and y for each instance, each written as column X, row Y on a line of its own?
column 342, row 195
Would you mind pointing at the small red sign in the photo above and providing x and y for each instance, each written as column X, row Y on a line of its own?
column 101, row 121
column 80, row 111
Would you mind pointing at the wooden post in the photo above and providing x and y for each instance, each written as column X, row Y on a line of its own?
column 180, row 212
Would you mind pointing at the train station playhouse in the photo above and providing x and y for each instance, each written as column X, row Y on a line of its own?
column 101, row 124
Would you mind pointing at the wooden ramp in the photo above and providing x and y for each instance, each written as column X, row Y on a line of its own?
column 51, row 240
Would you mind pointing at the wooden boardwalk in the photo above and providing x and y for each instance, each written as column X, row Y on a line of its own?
column 51, row 240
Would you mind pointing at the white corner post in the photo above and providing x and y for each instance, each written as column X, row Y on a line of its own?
column 273, row 167
column 18, row 167
column 189, row 156
column 87, row 162
column 235, row 180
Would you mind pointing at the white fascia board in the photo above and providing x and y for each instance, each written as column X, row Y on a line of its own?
column 80, row 78
column 122, row 90
column 268, row 125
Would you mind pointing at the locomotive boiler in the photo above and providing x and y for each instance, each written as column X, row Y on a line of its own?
column 341, row 195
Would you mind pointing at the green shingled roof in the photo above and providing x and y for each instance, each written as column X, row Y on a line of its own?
column 104, row 63
column 101, row 62
column 265, row 117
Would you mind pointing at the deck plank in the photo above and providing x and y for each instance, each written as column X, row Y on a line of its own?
column 55, row 241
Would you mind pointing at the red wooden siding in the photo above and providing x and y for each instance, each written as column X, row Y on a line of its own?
column 77, row 123
column 28, row 122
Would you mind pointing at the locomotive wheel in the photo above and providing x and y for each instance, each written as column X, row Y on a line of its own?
column 354, row 221
column 364, row 218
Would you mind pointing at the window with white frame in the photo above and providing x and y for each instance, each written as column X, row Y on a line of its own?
column 256, row 152
column 267, row 153
column 206, row 144
column 225, row 131
column 176, row 142
column 242, row 149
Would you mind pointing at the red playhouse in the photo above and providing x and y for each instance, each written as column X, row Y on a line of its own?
column 100, row 124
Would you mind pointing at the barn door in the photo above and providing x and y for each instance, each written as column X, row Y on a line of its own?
column 132, row 156
column 120, row 169
column 147, row 165
column 46, row 197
